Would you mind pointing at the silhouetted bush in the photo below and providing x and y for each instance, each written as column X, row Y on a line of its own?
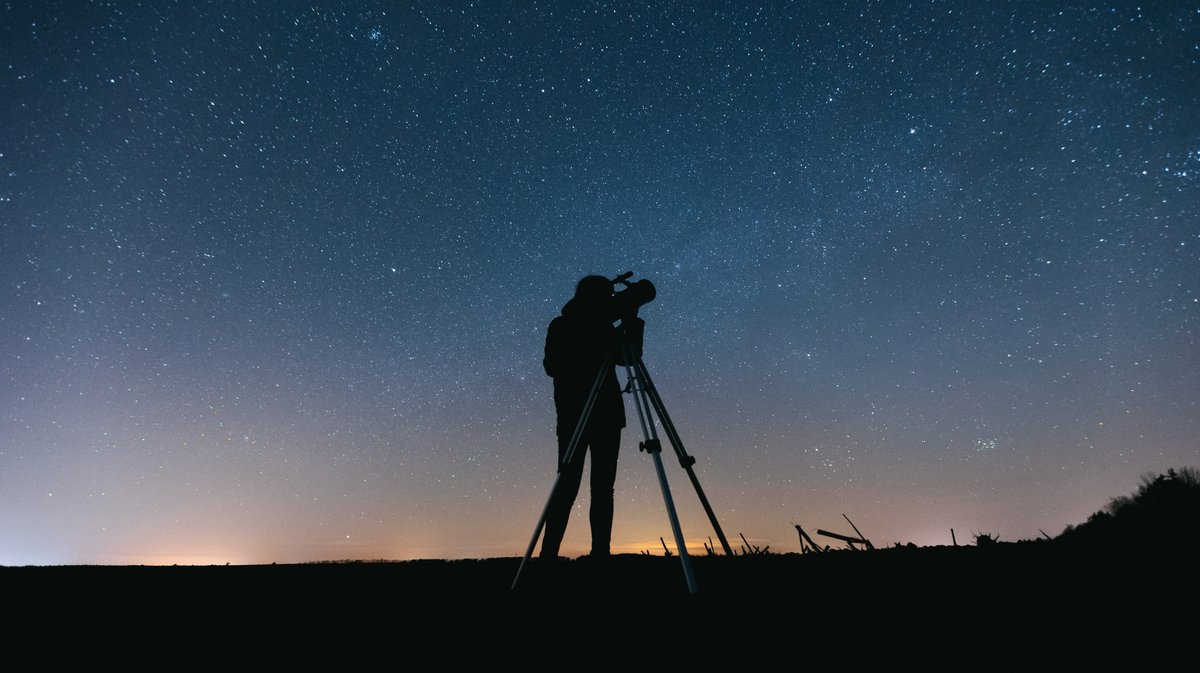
column 985, row 539
column 1164, row 512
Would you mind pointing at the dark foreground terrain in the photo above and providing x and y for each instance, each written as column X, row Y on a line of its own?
column 996, row 597
column 1118, row 590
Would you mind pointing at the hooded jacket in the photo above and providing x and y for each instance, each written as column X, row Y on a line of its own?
column 577, row 344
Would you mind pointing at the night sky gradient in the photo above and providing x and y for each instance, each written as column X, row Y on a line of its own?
column 275, row 276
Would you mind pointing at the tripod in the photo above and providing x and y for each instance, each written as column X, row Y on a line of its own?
column 646, row 398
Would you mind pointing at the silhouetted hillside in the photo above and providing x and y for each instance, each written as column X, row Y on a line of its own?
column 1163, row 514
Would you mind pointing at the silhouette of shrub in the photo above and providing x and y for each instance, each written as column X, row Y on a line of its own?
column 1163, row 508
column 986, row 539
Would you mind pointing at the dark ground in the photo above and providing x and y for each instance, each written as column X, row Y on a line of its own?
column 899, row 602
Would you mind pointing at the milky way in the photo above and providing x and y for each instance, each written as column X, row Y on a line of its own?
column 275, row 277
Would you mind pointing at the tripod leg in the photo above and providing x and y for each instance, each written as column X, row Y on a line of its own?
column 566, row 460
column 653, row 447
column 685, row 460
column 537, row 532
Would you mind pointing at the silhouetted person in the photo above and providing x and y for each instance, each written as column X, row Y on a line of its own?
column 577, row 344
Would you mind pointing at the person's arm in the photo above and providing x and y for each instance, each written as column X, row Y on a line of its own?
column 552, row 361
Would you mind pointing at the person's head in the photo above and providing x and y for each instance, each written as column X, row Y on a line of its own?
column 592, row 290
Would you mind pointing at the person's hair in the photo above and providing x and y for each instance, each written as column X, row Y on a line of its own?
column 592, row 287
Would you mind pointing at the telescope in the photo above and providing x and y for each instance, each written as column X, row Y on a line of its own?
column 634, row 296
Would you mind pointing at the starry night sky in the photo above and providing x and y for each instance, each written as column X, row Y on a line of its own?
column 275, row 276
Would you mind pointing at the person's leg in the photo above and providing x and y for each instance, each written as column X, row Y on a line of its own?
column 558, row 513
column 605, row 446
